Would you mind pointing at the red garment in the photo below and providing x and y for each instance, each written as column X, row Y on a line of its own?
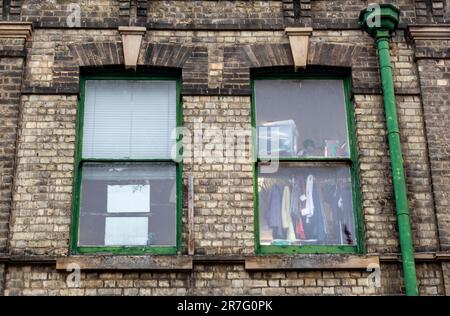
column 299, row 229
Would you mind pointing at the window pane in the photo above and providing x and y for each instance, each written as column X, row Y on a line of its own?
column 129, row 118
column 301, row 118
column 306, row 205
column 125, row 204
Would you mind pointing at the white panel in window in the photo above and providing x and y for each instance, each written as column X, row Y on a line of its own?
column 126, row 231
column 134, row 198
column 128, row 189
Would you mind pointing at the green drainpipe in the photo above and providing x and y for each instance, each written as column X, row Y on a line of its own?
column 380, row 21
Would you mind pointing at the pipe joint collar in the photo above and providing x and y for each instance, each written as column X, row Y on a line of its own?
column 381, row 18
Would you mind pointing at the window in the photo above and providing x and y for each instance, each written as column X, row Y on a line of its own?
column 307, row 201
column 127, row 197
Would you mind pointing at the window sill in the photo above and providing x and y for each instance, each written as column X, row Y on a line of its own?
column 144, row 263
column 312, row 262
column 185, row 263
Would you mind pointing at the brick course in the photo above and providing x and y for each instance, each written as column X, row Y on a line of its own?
column 231, row 279
column 204, row 280
column 223, row 190
column 44, row 176
column 11, row 74
column 434, row 80
column 216, row 46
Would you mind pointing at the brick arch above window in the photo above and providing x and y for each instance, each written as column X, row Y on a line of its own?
column 238, row 61
column 331, row 54
column 319, row 54
column 97, row 54
column 191, row 61
column 111, row 54
column 165, row 55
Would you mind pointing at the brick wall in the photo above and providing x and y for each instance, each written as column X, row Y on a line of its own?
column 446, row 276
column 11, row 74
column 2, row 279
column 230, row 279
column 380, row 220
column 223, row 190
column 11, row 69
column 51, row 57
column 435, row 83
column 216, row 46
column 56, row 13
column 429, row 279
column 157, row 14
column 44, row 176
column 216, row 14
column 204, row 280
column 418, row 179
column 45, row 158
column 378, row 209
column 436, row 11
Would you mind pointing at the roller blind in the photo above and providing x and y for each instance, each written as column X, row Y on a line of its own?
column 126, row 171
column 129, row 119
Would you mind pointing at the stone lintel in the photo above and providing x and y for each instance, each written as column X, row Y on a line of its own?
column 299, row 40
column 16, row 30
column 131, row 40
column 430, row 32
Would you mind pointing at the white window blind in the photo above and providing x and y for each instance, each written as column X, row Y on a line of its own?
column 129, row 119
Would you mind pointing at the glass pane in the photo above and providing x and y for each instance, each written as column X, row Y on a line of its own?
column 129, row 118
column 125, row 204
column 301, row 118
column 306, row 205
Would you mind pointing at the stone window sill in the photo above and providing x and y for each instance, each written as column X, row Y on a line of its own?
column 251, row 262
column 312, row 262
column 185, row 263
column 117, row 263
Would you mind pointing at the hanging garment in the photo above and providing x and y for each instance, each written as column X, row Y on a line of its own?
column 317, row 197
column 273, row 214
column 331, row 213
column 308, row 211
column 299, row 230
column 346, row 207
column 295, row 211
column 286, row 219
column 315, row 228
column 320, row 230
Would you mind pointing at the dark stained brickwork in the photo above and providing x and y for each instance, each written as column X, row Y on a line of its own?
column 216, row 47
column 436, row 11
column 11, row 73
column 11, row 69
column 434, row 80
column 297, row 12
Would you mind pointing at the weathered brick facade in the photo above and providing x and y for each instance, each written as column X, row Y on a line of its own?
column 216, row 47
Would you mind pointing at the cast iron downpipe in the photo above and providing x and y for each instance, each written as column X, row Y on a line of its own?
column 380, row 21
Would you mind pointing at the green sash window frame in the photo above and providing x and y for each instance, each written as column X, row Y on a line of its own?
column 352, row 162
column 75, row 225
